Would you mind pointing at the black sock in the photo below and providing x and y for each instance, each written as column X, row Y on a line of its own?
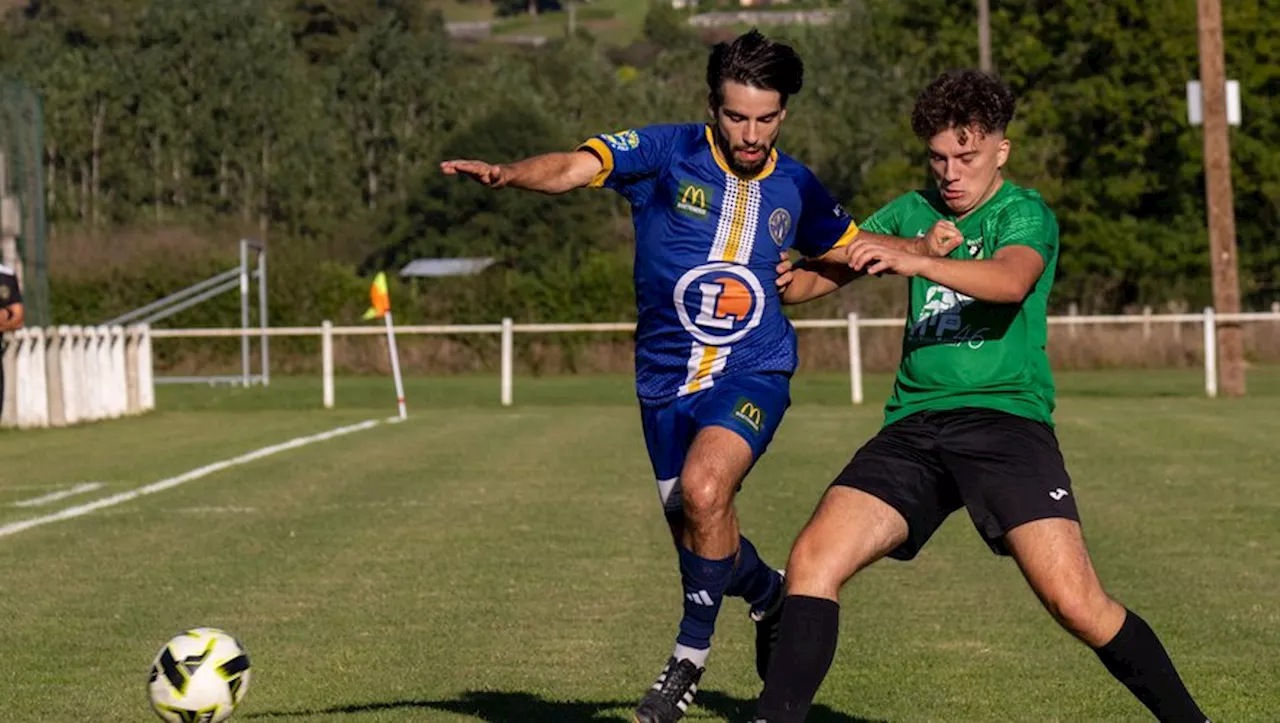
column 806, row 646
column 1137, row 659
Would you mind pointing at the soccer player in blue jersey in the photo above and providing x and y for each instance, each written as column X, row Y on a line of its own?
column 713, row 206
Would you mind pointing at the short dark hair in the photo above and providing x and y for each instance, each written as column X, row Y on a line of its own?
column 963, row 99
column 754, row 60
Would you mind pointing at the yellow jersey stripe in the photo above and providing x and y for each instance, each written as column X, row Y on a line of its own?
column 703, row 369
column 739, row 221
column 847, row 237
column 597, row 146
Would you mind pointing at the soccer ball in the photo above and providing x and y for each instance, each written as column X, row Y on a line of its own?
column 199, row 676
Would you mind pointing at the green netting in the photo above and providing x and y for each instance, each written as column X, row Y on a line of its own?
column 21, row 177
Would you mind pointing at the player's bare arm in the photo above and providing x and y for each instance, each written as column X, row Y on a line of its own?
column 11, row 317
column 816, row 278
column 548, row 173
column 940, row 241
column 811, row 279
column 1006, row 278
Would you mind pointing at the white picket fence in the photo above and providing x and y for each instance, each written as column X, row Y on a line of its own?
column 64, row 375
column 852, row 324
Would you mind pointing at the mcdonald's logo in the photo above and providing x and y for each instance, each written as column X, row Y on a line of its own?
column 692, row 199
column 748, row 412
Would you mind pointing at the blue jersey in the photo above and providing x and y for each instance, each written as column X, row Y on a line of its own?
column 707, row 244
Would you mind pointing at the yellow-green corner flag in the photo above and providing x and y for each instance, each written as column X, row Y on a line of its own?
column 379, row 297
column 381, row 307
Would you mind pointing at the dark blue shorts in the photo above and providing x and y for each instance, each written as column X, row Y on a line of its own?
column 751, row 405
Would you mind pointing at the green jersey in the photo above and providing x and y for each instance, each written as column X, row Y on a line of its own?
column 958, row 351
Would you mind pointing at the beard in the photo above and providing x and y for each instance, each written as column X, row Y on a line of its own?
column 739, row 167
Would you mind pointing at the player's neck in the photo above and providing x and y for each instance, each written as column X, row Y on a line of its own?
column 996, row 184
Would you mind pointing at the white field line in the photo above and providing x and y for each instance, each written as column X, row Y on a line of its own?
column 59, row 495
column 164, row 484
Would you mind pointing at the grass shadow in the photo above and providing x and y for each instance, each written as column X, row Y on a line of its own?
column 520, row 707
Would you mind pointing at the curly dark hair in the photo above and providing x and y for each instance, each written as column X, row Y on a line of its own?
column 963, row 99
column 754, row 60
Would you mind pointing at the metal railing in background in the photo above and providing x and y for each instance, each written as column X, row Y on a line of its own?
column 239, row 276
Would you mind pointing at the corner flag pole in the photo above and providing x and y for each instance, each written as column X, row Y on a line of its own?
column 381, row 300
column 395, row 364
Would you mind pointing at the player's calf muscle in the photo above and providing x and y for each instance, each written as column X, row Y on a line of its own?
column 1056, row 563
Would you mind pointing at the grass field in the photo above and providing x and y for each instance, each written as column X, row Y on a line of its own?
column 477, row 563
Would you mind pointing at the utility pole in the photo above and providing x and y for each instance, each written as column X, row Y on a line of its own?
column 1221, row 210
column 984, row 35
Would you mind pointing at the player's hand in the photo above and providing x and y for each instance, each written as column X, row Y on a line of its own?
column 941, row 240
column 487, row 174
column 785, row 273
column 877, row 259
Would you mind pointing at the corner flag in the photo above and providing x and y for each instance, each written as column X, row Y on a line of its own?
column 381, row 300
column 379, row 297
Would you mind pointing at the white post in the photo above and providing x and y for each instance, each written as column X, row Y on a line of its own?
column 507, row 351
column 132, row 373
column 72, row 372
column 263, row 343
column 1073, row 310
column 146, row 373
column 9, row 410
column 395, row 366
column 119, row 379
column 53, row 377
column 244, row 312
column 1210, row 353
column 1146, row 323
column 33, row 399
column 855, row 358
column 326, row 361
column 91, row 384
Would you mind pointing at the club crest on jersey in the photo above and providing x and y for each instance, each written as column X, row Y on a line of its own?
column 974, row 246
column 4, row 293
column 779, row 225
column 622, row 141
column 719, row 303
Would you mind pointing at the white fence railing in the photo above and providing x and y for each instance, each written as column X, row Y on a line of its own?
column 852, row 324
column 63, row 375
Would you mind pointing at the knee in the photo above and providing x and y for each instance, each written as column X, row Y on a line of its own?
column 811, row 570
column 1088, row 614
column 806, row 557
column 707, row 498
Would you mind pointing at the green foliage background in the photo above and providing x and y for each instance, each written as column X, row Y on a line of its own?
column 318, row 125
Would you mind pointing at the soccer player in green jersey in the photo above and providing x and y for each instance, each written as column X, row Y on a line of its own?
column 969, row 423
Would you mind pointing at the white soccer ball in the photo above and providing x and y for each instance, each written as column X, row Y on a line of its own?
column 199, row 676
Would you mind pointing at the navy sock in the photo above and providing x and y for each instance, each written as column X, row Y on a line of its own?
column 704, row 584
column 753, row 580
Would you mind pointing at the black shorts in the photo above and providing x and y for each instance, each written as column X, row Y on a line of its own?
column 1005, row 469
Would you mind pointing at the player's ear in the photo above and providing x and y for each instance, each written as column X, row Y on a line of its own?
column 1002, row 152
